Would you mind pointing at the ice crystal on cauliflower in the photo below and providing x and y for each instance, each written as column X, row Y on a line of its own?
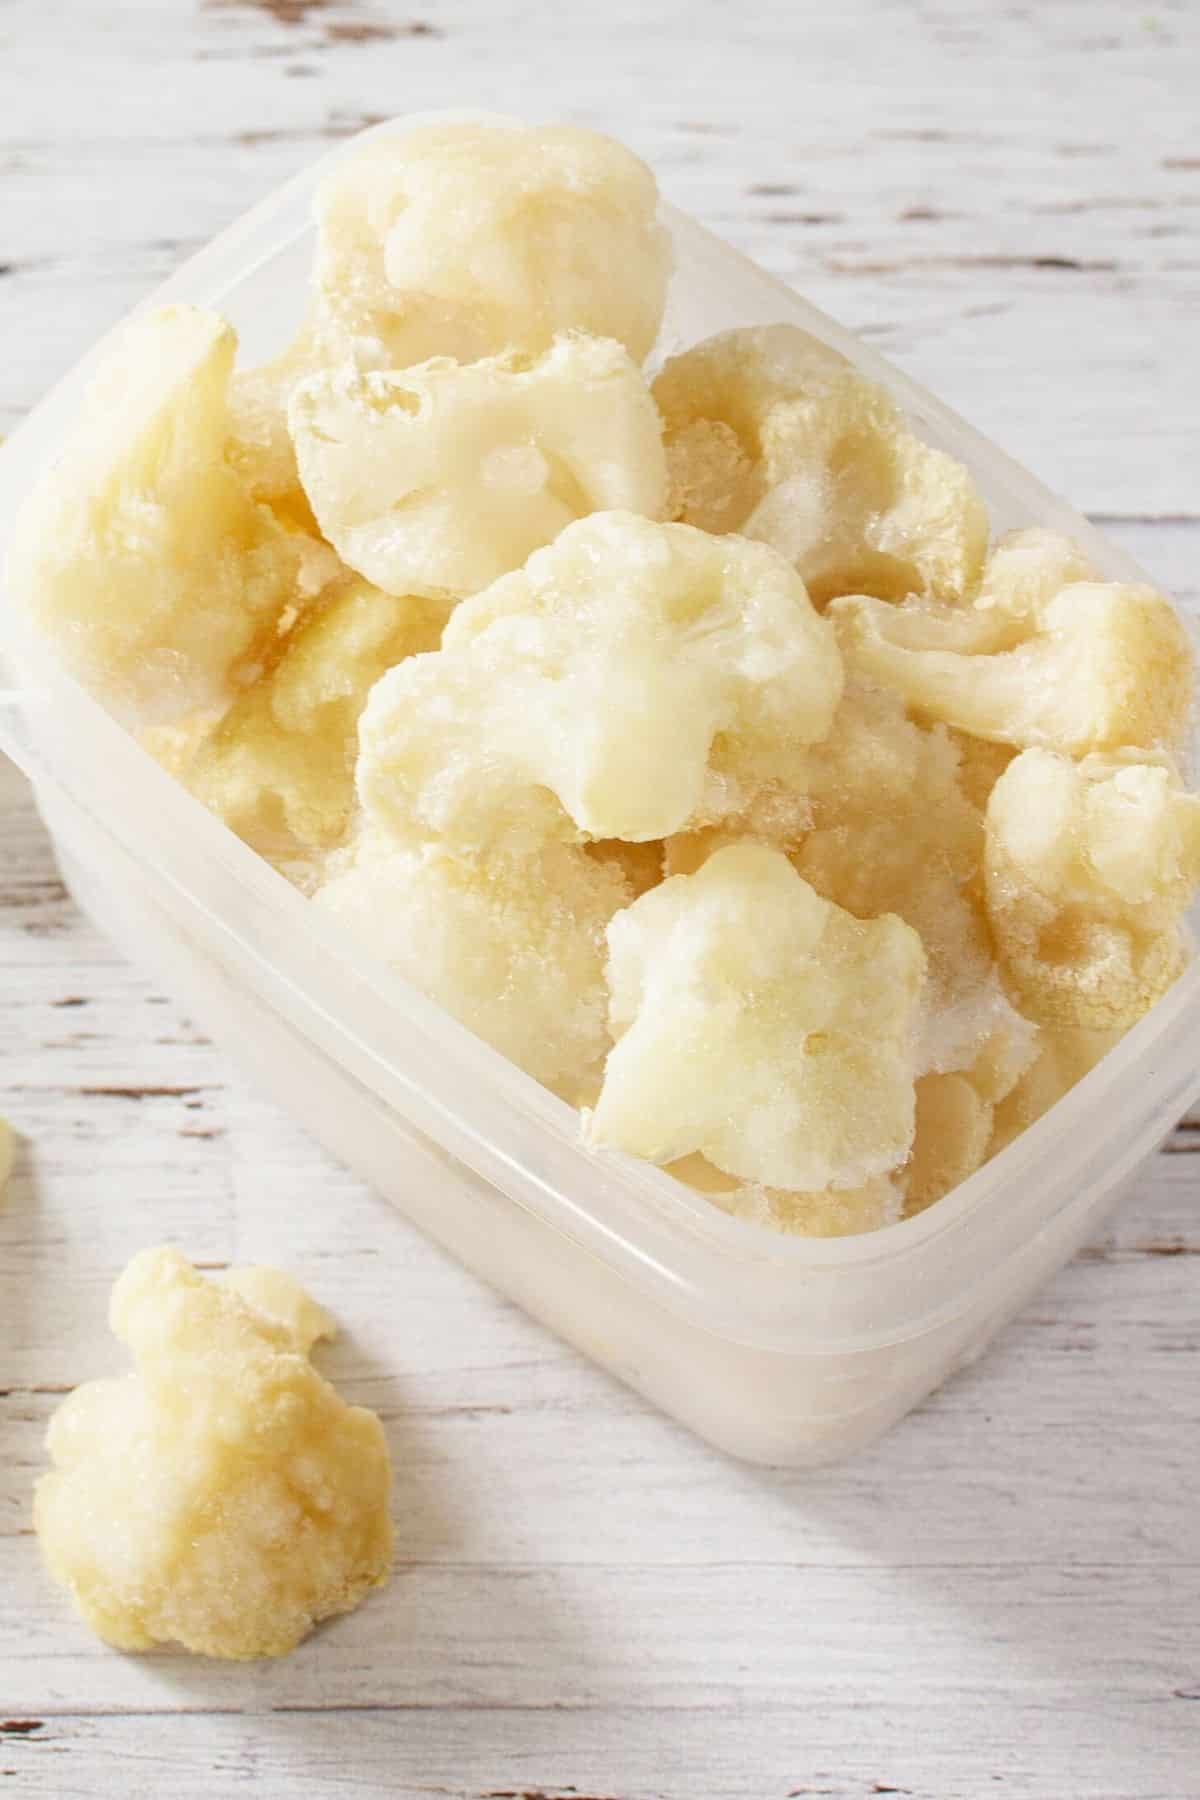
column 222, row 1497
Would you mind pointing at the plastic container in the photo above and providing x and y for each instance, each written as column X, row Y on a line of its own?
column 779, row 1350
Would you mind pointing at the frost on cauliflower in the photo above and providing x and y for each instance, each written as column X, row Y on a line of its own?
column 834, row 1212
column 466, row 239
column 761, row 1026
column 1089, row 868
column 223, row 1496
column 772, row 434
column 440, row 478
column 139, row 554
column 632, row 678
column 1089, row 666
column 513, row 948
column 279, row 766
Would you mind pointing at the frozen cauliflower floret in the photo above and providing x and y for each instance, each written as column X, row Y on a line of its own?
column 1089, row 868
column 466, row 239
column 771, row 433
column 1066, row 1054
column 1025, row 570
column 223, row 1497
column 891, row 831
column 952, row 1138
column 1101, row 665
column 835, row 1212
column 513, row 948
column 761, row 1026
column 279, row 766
column 139, row 555
column 632, row 678
column 440, row 478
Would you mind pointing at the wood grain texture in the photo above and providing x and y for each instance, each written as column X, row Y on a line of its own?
column 1004, row 1596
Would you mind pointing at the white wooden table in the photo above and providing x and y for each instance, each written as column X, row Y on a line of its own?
column 1003, row 1598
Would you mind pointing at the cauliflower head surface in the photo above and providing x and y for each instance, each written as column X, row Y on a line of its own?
column 223, row 1496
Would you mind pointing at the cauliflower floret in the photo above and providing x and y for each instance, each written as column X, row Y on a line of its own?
column 224, row 1496
column 463, row 241
column 443, row 477
column 879, row 824
column 952, row 1139
column 279, row 766
column 139, row 554
column 1089, row 867
column 513, row 948
column 1095, row 666
column 466, row 239
column 835, row 1212
column 771, row 433
column 1066, row 1054
column 761, row 1026
column 631, row 678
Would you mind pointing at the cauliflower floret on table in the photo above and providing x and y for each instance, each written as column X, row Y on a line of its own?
column 834, row 1212
column 139, row 554
column 513, row 948
column 633, row 678
column 440, row 478
column 1094, row 666
column 223, row 1497
column 1089, row 868
column 771, row 433
column 761, row 1026
column 465, row 239
column 279, row 766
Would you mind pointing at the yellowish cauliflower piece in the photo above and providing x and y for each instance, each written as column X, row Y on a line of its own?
column 771, row 433
column 633, row 677
column 1089, row 868
column 139, row 554
column 440, row 478
column 514, row 949
column 279, row 766
column 1095, row 666
column 835, row 1212
column 1066, row 1053
column 952, row 1138
column 223, row 1496
column 761, row 1026
column 467, row 239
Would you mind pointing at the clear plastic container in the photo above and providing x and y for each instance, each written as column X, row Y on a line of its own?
column 781, row 1350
